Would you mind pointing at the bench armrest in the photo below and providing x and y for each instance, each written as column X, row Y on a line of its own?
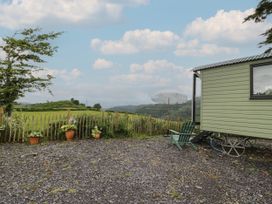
column 173, row 131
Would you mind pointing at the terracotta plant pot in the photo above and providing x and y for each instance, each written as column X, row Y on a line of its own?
column 34, row 140
column 70, row 135
column 97, row 136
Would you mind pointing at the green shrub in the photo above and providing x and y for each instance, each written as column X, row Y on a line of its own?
column 35, row 134
column 68, row 127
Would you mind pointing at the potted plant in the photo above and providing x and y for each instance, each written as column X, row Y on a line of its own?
column 96, row 133
column 34, row 137
column 69, row 131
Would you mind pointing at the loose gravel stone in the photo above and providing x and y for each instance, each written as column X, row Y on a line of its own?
column 131, row 171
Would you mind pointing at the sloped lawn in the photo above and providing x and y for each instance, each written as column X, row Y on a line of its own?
column 131, row 171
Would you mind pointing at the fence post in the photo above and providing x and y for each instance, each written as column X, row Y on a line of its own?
column 68, row 115
column 150, row 125
column 1, row 115
column 1, row 124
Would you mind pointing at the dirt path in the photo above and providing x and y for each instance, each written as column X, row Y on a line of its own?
column 131, row 171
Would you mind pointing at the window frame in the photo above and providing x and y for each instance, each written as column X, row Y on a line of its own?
column 252, row 95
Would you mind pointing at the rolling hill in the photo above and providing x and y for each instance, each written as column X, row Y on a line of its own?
column 165, row 111
column 56, row 105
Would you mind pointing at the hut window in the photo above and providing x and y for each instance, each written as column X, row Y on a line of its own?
column 261, row 81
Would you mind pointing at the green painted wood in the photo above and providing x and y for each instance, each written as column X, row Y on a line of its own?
column 237, row 131
column 229, row 84
column 229, row 75
column 240, row 115
column 238, row 106
column 182, row 138
column 228, row 110
column 261, row 124
column 226, row 88
column 225, row 103
column 231, row 97
column 227, row 70
column 229, row 101
column 227, row 92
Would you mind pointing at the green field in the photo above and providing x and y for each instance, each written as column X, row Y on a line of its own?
column 39, row 120
column 112, row 124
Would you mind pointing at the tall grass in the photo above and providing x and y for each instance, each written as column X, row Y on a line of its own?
column 20, row 124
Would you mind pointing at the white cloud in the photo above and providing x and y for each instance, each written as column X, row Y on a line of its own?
column 141, row 80
column 155, row 75
column 18, row 13
column 102, row 64
column 75, row 73
column 194, row 48
column 203, row 37
column 226, row 25
column 135, row 86
column 113, row 47
column 153, row 66
column 130, row 2
column 136, row 41
column 107, row 94
column 216, row 35
column 59, row 73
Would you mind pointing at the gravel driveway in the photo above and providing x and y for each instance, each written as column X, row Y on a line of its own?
column 131, row 171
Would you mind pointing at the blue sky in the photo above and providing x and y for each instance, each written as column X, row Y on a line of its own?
column 119, row 52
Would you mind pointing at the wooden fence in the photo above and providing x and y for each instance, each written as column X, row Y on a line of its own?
column 1, row 116
column 18, row 127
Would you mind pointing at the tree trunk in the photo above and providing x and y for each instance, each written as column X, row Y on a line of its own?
column 8, row 109
column 9, row 105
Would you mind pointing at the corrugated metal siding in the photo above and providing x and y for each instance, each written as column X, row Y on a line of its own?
column 226, row 106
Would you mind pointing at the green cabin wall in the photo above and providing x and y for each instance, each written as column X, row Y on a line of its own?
column 225, row 103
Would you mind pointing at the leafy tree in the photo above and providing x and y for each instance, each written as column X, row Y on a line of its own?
column 74, row 101
column 19, row 70
column 263, row 10
column 97, row 106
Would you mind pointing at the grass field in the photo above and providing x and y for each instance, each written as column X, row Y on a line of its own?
column 39, row 120
column 112, row 124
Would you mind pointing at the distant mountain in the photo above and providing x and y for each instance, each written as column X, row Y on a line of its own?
column 169, row 98
column 128, row 109
column 173, row 112
column 56, row 105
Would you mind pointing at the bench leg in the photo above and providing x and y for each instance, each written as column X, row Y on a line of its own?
column 194, row 147
column 178, row 145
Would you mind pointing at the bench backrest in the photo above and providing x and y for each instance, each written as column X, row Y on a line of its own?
column 186, row 131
